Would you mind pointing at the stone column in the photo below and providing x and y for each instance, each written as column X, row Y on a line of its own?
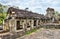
column 5, row 26
column 24, row 25
column 15, row 27
column 40, row 22
column 12, row 25
column 37, row 23
column 32, row 24
column 53, row 19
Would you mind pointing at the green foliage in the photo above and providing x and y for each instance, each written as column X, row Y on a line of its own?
column 2, row 17
column 1, row 8
column 0, row 21
column 28, row 32
column 2, row 13
column 56, row 15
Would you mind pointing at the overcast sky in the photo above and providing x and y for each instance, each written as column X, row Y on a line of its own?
column 38, row 6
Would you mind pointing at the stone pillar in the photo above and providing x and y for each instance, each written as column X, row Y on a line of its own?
column 24, row 25
column 37, row 23
column 32, row 24
column 5, row 26
column 15, row 27
column 40, row 22
column 53, row 20
column 12, row 25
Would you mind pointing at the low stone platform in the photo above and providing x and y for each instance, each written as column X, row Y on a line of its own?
column 51, row 25
column 9, row 35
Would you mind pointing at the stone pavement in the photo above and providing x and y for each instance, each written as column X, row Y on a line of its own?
column 43, row 34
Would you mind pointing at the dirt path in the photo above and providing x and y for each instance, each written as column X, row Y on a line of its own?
column 43, row 34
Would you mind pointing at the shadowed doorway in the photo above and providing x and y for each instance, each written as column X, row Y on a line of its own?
column 18, row 25
column 34, row 22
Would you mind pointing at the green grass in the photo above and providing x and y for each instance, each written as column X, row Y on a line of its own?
column 28, row 32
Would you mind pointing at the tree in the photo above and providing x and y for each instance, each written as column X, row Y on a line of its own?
column 1, row 8
column 2, row 14
column 56, row 15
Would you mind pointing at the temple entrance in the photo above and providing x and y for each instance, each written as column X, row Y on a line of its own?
column 18, row 25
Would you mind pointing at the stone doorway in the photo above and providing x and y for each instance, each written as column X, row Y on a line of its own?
column 18, row 25
column 34, row 22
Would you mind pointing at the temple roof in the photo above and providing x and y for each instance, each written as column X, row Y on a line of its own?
column 51, row 9
column 25, row 14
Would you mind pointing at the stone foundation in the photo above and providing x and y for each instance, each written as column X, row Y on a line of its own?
column 53, row 25
column 8, row 35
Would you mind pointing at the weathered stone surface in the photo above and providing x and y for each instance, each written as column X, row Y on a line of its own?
column 43, row 34
column 11, row 35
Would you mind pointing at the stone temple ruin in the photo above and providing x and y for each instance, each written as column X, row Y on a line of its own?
column 19, row 21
